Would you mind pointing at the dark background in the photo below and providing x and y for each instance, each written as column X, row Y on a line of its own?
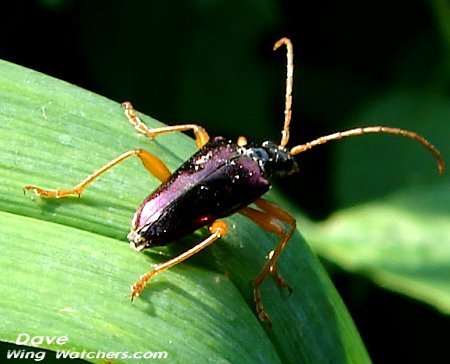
column 211, row 62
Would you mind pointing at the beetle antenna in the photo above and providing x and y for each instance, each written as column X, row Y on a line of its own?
column 289, row 83
column 367, row 130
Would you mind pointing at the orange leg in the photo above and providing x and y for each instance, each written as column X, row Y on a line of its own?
column 242, row 141
column 278, row 279
column 271, row 218
column 201, row 136
column 151, row 162
column 218, row 229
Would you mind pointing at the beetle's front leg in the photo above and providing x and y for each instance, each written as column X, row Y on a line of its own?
column 218, row 229
column 270, row 219
column 201, row 136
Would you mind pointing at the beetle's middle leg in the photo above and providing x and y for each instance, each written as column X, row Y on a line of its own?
column 272, row 219
column 218, row 229
column 201, row 136
column 150, row 161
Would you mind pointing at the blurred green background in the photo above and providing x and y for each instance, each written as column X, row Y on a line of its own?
column 211, row 62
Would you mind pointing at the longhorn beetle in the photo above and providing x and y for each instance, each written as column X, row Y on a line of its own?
column 220, row 179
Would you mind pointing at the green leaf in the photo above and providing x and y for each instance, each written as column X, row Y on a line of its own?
column 401, row 242
column 66, row 265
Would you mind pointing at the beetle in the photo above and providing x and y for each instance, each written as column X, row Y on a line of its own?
column 222, row 178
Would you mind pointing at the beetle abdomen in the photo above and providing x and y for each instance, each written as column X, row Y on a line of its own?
column 215, row 182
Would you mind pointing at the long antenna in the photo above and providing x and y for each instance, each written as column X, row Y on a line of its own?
column 367, row 130
column 289, row 83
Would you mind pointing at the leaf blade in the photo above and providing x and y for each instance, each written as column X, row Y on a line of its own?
column 54, row 135
column 407, row 249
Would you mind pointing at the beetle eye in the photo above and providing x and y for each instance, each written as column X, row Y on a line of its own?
column 260, row 154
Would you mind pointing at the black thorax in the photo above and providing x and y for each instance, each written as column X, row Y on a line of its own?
column 272, row 158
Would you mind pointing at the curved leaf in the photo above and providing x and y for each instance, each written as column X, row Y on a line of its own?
column 66, row 265
column 401, row 242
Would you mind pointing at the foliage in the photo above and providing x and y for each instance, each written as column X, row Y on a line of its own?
column 66, row 267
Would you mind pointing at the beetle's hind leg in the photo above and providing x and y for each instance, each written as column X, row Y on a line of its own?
column 150, row 161
column 272, row 219
column 201, row 136
column 218, row 229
